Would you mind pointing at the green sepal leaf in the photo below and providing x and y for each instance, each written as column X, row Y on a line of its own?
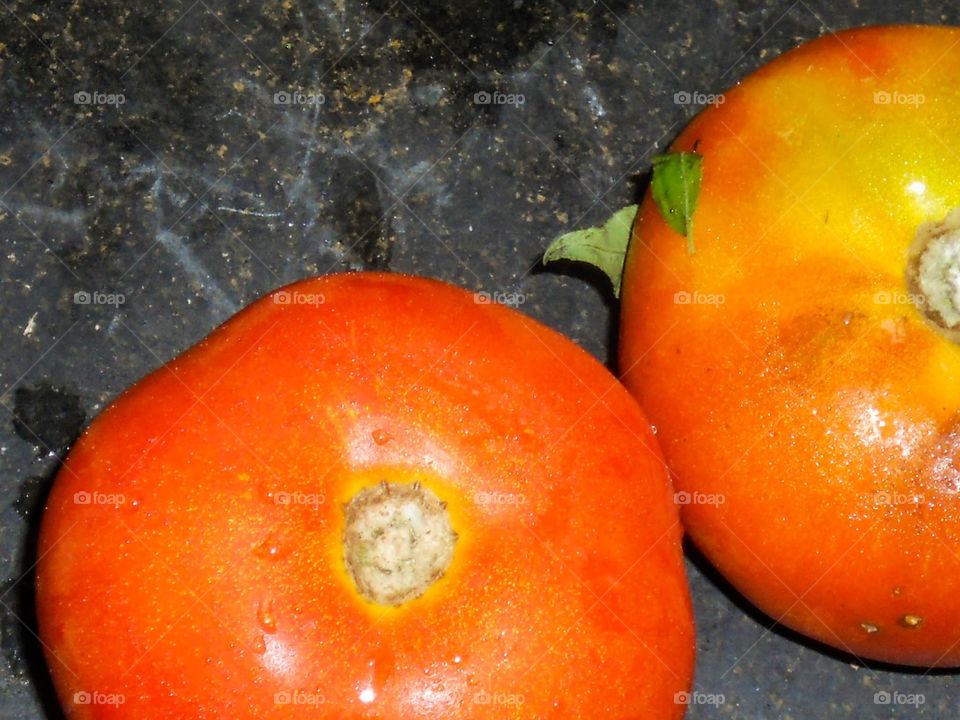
column 604, row 247
column 675, row 187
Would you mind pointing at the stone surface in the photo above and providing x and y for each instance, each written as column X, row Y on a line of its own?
column 129, row 229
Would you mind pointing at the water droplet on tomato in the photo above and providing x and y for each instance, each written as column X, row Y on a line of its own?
column 270, row 551
column 382, row 664
column 265, row 616
column 381, row 437
column 367, row 696
column 259, row 646
column 270, row 548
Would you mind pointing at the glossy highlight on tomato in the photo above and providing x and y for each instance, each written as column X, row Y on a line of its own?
column 368, row 496
column 801, row 362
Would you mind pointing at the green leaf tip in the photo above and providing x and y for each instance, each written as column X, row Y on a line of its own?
column 675, row 187
column 604, row 247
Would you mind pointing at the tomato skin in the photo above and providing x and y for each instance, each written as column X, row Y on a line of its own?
column 796, row 379
column 215, row 578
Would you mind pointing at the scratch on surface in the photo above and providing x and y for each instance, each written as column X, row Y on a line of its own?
column 297, row 190
column 255, row 213
column 334, row 12
column 76, row 217
column 593, row 101
column 174, row 244
column 161, row 173
column 114, row 324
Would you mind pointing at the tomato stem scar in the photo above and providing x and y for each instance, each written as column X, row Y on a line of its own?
column 933, row 273
column 397, row 542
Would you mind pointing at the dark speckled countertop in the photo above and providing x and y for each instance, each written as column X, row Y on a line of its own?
column 163, row 164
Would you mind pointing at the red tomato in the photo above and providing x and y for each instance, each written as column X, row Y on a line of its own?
column 368, row 496
column 800, row 373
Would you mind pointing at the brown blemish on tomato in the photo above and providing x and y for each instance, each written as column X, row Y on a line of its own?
column 933, row 274
column 911, row 622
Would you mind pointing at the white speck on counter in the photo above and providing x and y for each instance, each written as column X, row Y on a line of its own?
column 31, row 326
